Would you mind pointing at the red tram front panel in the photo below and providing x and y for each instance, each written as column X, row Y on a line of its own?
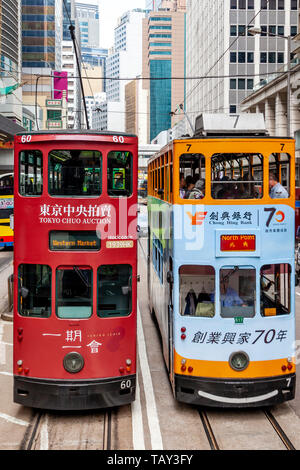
column 81, row 250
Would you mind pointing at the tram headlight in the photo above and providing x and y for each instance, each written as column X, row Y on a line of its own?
column 73, row 362
column 239, row 361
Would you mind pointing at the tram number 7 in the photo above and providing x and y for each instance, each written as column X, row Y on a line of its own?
column 125, row 384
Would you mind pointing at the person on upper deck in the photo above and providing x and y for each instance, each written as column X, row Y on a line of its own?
column 277, row 191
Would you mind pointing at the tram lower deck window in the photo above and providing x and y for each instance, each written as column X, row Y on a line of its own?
column 74, row 173
column 196, row 290
column 237, row 291
column 34, row 290
column 275, row 289
column 114, row 290
column 74, row 292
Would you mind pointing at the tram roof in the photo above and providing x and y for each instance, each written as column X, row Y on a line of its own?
column 75, row 132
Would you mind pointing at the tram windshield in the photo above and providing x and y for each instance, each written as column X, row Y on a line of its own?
column 74, row 292
column 237, row 176
column 197, row 288
column 114, row 290
column 275, row 286
column 75, row 173
column 34, row 290
column 237, row 291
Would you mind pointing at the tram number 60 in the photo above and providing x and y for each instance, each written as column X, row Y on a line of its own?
column 125, row 384
column 118, row 139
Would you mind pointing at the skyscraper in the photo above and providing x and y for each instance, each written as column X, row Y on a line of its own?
column 88, row 17
column 219, row 45
column 10, row 58
column 163, row 57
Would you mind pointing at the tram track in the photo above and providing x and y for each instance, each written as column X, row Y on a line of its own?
column 278, row 429
column 107, row 429
column 32, row 432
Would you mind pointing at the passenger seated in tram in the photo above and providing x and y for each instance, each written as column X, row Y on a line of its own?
column 182, row 186
column 190, row 184
column 198, row 191
column 276, row 189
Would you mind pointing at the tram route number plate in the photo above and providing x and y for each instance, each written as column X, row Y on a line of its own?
column 238, row 242
column 119, row 244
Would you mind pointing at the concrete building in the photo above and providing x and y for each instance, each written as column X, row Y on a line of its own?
column 124, row 61
column 10, row 59
column 163, row 57
column 88, row 18
column 218, row 44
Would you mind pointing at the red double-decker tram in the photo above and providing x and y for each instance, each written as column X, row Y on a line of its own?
column 75, row 269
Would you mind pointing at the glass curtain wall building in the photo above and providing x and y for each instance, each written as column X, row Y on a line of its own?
column 39, row 19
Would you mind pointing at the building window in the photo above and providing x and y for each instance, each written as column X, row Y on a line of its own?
column 233, row 57
column 232, row 84
column 263, row 57
column 250, row 83
column 242, row 30
column 232, row 109
column 241, row 84
column 272, row 57
column 233, row 4
column 242, row 57
column 250, row 4
column 280, row 4
column 233, row 30
column 250, row 57
column 280, row 57
column 294, row 5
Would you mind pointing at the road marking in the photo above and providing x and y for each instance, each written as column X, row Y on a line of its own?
column 153, row 421
column 137, row 420
column 13, row 420
column 297, row 293
column 6, row 373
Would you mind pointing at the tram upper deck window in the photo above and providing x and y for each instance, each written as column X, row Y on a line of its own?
column 74, row 292
column 31, row 173
column 119, row 173
column 197, row 290
column 275, row 289
column 114, row 290
column 34, row 290
column 237, row 292
column 192, row 176
column 279, row 175
column 237, row 176
column 75, row 173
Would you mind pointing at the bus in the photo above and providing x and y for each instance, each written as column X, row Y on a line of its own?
column 221, row 274
column 75, row 269
column 6, row 209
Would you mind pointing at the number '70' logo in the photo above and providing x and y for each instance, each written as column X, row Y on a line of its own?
column 279, row 215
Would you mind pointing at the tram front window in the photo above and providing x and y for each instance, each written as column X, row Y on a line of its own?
column 197, row 290
column 114, row 290
column 275, row 289
column 237, row 176
column 34, row 290
column 74, row 292
column 192, row 176
column 74, row 173
column 237, row 292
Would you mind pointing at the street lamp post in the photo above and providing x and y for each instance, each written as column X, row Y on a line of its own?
column 253, row 32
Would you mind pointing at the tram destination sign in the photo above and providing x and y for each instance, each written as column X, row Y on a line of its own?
column 80, row 240
column 238, row 242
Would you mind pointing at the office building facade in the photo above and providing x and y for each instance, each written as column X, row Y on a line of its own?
column 219, row 44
